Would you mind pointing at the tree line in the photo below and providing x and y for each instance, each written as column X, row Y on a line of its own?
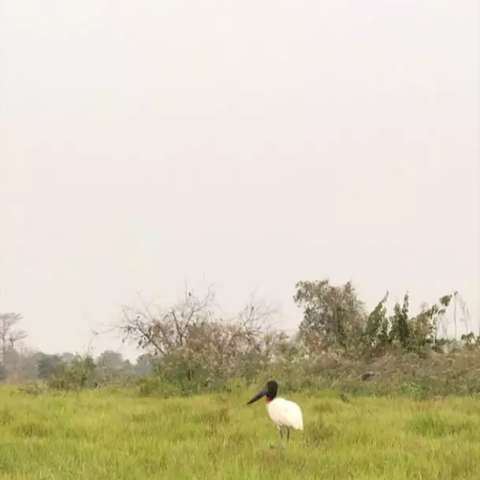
column 192, row 346
column 20, row 364
column 198, row 348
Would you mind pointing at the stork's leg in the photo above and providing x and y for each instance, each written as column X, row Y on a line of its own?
column 283, row 433
column 288, row 434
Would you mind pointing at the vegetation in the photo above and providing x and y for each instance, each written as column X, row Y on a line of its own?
column 384, row 395
column 333, row 316
column 191, row 348
column 117, row 435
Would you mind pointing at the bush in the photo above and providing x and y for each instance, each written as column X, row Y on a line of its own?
column 79, row 374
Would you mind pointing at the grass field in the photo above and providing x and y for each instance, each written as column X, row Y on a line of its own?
column 118, row 435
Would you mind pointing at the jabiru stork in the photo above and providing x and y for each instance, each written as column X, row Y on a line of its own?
column 283, row 413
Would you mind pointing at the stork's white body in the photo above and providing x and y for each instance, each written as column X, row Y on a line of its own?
column 285, row 413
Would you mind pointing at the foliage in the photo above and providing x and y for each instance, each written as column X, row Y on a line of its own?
column 400, row 329
column 80, row 373
column 333, row 317
column 191, row 348
column 410, row 333
column 198, row 349
column 110, row 367
column 376, row 336
column 145, row 364
column 48, row 365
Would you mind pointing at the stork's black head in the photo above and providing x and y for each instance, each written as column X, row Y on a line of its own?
column 272, row 387
column 270, row 391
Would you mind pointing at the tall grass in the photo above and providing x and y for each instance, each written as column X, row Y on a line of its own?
column 118, row 435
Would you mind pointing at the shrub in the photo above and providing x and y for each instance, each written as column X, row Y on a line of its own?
column 80, row 373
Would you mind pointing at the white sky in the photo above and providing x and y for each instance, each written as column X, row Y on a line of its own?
column 250, row 144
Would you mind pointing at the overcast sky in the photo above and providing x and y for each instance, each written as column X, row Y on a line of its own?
column 249, row 144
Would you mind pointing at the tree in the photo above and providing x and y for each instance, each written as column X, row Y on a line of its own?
column 110, row 365
column 332, row 316
column 424, row 326
column 400, row 330
column 79, row 374
column 144, row 364
column 164, row 331
column 110, row 360
column 410, row 333
column 21, row 364
column 194, row 343
column 9, row 335
column 68, row 357
column 48, row 365
column 377, row 327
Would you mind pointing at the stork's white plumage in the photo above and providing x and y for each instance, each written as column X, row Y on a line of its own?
column 283, row 413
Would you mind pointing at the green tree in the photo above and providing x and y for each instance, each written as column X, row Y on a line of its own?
column 332, row 316
column 377, row 327
column 424, row 326
column 110, row 360
column 80, row 373
column 111, row 366
column 400, row 330
column 47, row 365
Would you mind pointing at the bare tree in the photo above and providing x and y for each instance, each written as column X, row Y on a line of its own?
column 165, row 330
column 9, row 335
column 195, row 340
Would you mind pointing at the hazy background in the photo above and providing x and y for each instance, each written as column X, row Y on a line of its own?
column 249, row 144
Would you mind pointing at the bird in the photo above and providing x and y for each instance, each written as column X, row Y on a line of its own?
column 283, row 413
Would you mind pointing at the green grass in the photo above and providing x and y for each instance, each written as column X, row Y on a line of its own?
column 118, row 435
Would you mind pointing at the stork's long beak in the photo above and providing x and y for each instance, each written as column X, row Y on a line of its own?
column 258, row 396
